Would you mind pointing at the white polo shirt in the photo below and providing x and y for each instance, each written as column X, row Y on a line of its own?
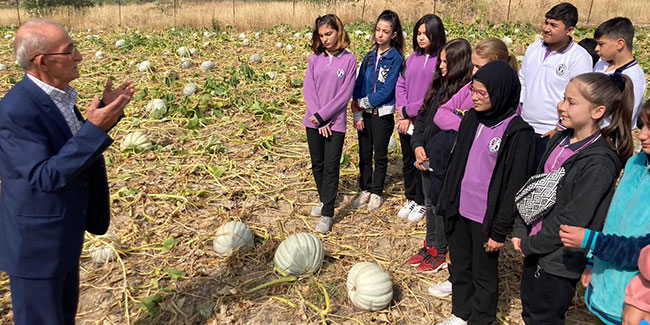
column 635, row 72
column 544, row 76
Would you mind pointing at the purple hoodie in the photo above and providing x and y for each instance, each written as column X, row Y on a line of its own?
column 450, row 113
column 328, row 86
column 411, row 89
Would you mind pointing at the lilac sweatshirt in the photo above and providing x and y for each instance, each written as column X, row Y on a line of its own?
column 449, row 114
column 480, row 167
column 411, row 89
column 328, row 86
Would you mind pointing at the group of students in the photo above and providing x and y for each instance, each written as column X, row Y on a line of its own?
column 491, row 151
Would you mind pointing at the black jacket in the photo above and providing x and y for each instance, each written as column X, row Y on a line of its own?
column 513, row 167
column 582, row 200
column 438, row 145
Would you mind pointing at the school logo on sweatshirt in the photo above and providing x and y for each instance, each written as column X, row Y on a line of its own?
column 560, row 70
column 494, row 144
column 340, row 73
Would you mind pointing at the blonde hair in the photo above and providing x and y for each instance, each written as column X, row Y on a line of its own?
column 494, row 49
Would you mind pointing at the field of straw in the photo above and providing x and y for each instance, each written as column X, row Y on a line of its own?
column 251, row 15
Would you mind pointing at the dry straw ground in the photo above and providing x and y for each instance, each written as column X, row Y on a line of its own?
column 251, row 15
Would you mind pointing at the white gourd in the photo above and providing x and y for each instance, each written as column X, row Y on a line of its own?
column 144, row 66
column 183, row 51
column 157, row 108
column 369, row 287
column 297, row 35
column 231, row 236
column 392, row 143
column 255, row 58
column 242, row 36
column 136, row 141
column 289, row 47
column 120, row 43
column 208, row 65
column 190, row 89
column 3, row 67
column 193, row 51
column 104, row 251
column 99, row 55
column 299, row 254
column 185, row 64
column 246, row 42
column 279, row 45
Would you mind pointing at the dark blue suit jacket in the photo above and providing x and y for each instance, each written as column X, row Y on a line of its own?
column 53, row 185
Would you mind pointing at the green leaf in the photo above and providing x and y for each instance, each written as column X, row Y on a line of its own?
column 170, row 243
column 174, row 273
column 150, row 304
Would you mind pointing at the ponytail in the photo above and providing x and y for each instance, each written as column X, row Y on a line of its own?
column 512, row 62
column 616, row 93
column 494, row 49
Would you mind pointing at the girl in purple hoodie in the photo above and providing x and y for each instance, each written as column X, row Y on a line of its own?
column 412, row 84
column 328, row 86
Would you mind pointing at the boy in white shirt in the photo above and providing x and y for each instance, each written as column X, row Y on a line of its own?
column 615, row 37
column 548, row 66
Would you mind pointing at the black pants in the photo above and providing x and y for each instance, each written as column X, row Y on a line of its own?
column 436, row 236
column 474, row 274
column 374, row 139
column 545, row 298
column 412, row 176
column 45, row 301
column 540, row 147
column 325, row 164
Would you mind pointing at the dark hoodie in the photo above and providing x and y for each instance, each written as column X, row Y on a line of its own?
column 514, row 163
column 582, row 200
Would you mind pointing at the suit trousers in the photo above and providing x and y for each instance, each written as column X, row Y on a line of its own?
column 325, row 165
column 45, row 301
column 474, row 274
column 412, row 176
column 374, row 139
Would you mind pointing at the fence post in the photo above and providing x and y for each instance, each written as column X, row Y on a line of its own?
column 294, row 11
column 233, row 12
column 435, row 4
column 509, row 4
column 363, row 10
column 18, row 11
column 591, row 5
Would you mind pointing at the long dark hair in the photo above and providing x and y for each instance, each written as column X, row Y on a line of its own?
column 435, row 33
column 335, row 23
column 601, row 89
column 459, row 73
column 393, row 19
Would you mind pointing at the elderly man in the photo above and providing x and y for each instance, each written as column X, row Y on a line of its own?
column 53, row 174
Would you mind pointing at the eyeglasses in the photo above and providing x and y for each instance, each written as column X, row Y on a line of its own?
column 71, row 52
column 481, row 93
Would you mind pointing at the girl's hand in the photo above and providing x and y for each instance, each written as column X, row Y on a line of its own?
column 313, row 120
column 492, row 245
column 516, row 242
column 420, row 158
column 358, row 125
column 585, row 278
column 326, row 131
column 403, row 125
column 572, row 236
column 634, row 316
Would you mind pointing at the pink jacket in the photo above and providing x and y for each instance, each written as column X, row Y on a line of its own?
column 638, row 290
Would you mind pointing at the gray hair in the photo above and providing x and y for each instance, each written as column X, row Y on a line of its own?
column 31, row 43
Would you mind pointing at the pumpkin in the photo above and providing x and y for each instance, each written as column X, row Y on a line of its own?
column 3, row 67
column 144, row 66
column 255, row 58
column 299, row 254
column 246, row 42
column 297, row 35
column 183, row 51
column 289, row 47
column 104, row 251
column 120, row 43
column 99, row 55
column 231, row 236
column 392, row 143
column 157, row 108
column 279, row 45
column 369, row 287
column 208, row 65
column 193, row 51
column 186, row 64
column 136, row 141
column 242, row 36
column 190, row 89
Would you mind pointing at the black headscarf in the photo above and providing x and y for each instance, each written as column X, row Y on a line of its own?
column 502, row 84
column 503, row 87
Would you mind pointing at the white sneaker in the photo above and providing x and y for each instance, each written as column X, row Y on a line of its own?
column 361, row 199
column 417, row 214
column 324, row 225
column 374, row 202
column 440, row 290
column 453, row 320
column 406, row 209
column 317, row 211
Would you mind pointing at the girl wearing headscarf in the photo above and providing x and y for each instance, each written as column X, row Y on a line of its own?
column 493, row 158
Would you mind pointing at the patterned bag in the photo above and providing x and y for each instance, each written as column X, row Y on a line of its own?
column 537, row 196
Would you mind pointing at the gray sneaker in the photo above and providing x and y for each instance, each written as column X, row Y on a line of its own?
column 324, row 225
column 374, row 202
column 361, row 199
column 317, row 211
